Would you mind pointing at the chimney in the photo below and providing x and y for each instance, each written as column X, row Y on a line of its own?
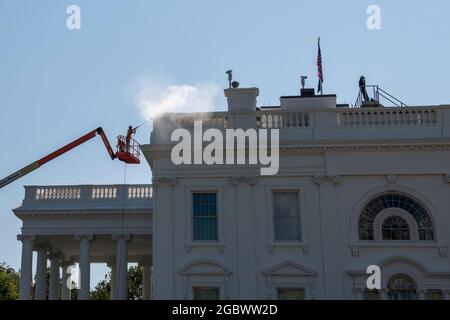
column 242, row 107
column 241, row 99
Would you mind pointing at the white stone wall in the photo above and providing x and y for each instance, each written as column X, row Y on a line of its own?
column 338, row 159
column 333, row 188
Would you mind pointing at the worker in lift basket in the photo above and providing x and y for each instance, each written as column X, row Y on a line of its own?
column 130, row 132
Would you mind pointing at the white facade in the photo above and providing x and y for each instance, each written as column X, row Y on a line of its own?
column 84, row 224
column 335, row 160
column 336, row 165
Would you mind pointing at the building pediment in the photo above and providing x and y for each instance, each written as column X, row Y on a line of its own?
column 289, row 268
column 205, row 267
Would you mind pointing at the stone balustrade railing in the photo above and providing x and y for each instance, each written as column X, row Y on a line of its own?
column 88, row 192
column 274, row 119
column 319, row 123
column 387, row 116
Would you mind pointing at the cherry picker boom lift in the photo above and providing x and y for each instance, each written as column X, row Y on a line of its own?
column 126, row 152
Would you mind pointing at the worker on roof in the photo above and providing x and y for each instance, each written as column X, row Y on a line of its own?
column 362, row 88
column 130, row 132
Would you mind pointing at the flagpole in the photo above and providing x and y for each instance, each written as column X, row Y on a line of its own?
column 321, row 82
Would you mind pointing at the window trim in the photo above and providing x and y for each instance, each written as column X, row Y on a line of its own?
column 271, row 243
column 356, row 245
column 189, row 214
column 273, row 215
column 386, row 213
column 209, row 216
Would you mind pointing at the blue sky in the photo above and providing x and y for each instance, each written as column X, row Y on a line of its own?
column 57, row 84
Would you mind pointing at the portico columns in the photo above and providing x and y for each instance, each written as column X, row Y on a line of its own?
column 112, row 266
column 121, row 289
column 26, row 266
column 85, row 266
column 146, row 281
column 54, row 278
column 65, row 288
column 41, row 274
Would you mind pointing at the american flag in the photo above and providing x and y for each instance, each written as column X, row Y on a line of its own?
column 319, row 69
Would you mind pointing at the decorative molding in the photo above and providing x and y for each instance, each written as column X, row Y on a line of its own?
column 356, row 248
column 251, row 180
column 172, row 182
column 191, row 244
column 391, row 178
column 319, row 179
column 443, row 251
column 103, row 212
column 78, row 237
column 355, row 251
column 335, row 179
column 289, row 271
column 157, row 181
column 165, row 150
column 235, row 180
column 447, row 178
column 116, row 236
column 271, row 245
column 21, row 237
column 208, row 268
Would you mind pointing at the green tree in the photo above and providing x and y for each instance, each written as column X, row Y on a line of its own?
column 135, row 276
column 9, row 283
column 102, row 290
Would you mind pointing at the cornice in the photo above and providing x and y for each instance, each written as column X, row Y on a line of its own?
column 81, row 212
column 164, row 151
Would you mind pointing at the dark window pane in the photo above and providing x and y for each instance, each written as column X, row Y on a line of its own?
column 394, row 200
column 204, row 223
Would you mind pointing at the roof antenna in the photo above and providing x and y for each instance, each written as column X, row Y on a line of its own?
column 230, row 77
column 303, row 81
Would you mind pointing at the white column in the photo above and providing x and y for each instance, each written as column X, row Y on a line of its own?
column 113, row 268
column 85, row 267
column 146, row 281
column 65, row 289
column 122, row 267
column 54, row 278
column 41, row 274
column 329, row 235
column 26, row 265
column 245, row 236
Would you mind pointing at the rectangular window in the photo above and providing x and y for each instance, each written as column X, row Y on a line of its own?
column 291, row 294
column 434, row 294
column 286, row 212
column 206, row 293
column 371, row 294
column 204, row 216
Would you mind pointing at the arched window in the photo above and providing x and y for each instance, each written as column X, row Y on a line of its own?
column 395, row 228
column 402, row 287
column 400, row 201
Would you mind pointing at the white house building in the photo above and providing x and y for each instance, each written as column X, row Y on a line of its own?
column 355, row 187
